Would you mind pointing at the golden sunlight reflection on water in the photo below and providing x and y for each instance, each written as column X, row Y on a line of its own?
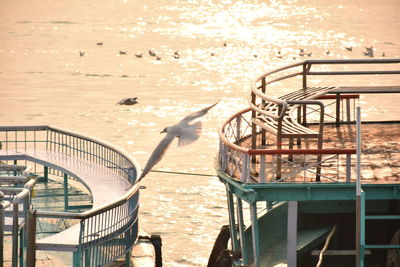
column 53, row 71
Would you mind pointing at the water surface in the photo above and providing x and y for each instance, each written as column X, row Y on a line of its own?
column 223, row 45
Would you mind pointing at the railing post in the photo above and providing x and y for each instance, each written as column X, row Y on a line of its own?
column 305, row 70
column 15, row 163
column 253, row 125
column 337, row 110
column 245, row 168
column 46, row 174
column 263, row 131
column 348, row 168
column 238, row 126
column 223, row 156
column 262, row 169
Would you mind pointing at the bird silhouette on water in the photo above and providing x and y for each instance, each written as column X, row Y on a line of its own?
column 128, row 101
column 186, row 133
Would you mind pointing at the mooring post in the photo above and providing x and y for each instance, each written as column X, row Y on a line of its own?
column 31, row 239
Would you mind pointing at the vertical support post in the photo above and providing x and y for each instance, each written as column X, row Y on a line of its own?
column 263, row 131
column 255, row 234
column 348, row 168
column 1, row 231
column 243, row 249
column 348, row 112
column 31, row 239
column 46, row 174
column 21, row 247
column 245, row 168
column 253, row 125
column 362, row 228
column 305, row 71
column 15, row 230
column 87, row 257
column 231, row 210
column 66, row 204
column 292, row 234
column 238, row 127
column 128, row 243
column 15, row 163
column 337, row 110
column 262, row 169
column 360, row 209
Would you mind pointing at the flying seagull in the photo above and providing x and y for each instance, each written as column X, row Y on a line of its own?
column 128, row 101
column 186, row 133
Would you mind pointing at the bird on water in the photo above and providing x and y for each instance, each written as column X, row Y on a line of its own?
column 184, row 130
column 128, row 101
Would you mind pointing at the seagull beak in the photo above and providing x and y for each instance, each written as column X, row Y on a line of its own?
column 163, row 131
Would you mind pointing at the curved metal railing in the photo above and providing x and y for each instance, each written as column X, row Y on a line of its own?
column 106, row 232
column 237, row 158
column 23, row 138
column 303, row 70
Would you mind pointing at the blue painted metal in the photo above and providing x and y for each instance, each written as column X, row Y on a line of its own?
column 362, row 229
column 231, row 210
column 255, row 234
column 242, row 229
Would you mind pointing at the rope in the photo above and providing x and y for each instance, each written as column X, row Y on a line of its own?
column 185, row 173
column 328, row 239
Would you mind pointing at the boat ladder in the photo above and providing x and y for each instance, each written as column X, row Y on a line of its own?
column 361, row 222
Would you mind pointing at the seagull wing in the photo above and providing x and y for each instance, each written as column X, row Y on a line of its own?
column 197, row 114
column 122, row 101
column 157, row 154
column 189, row 134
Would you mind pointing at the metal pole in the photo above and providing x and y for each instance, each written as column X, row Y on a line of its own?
column 348, row 168
column 242, row 229
column 292, row 234
column 3, row 205
column 66, row 204
column 31, row 239
column 358, row 191
column 15, row 228
column 231, row 209
column 337, row 110
column 358, row 182
column 255, row 234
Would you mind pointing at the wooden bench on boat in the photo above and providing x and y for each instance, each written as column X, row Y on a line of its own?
column 105, row 186
column 278, row 117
